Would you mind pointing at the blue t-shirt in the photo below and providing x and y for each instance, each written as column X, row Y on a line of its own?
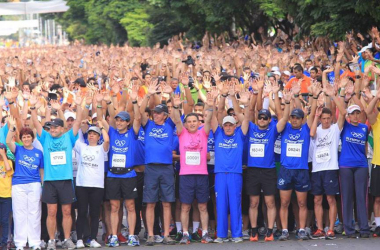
column 122, row 151
column 159, row 142
column 228, row 151
column 295, row 147
column 28, row 164
column 58, row 160
column 353, row 139
column 261, row 145
column 140, row 148
column 211, row 151
column 331, row 76
column 245, row 151
column 177, row 164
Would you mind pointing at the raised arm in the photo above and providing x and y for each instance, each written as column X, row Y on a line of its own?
column 282, row 122
column 33, row 101
column 176, row 116
column 106, row 138
column 371, row 109
column 76, row 126
column 152, row 89
column 12, row 131
column 313, row 129
column 136, row 110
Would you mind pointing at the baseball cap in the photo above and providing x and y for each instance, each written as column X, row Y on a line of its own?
column 46, row 125
column 298, row 113
column 2, row 145
column 123, row 115
column 265, row 112
column 199, row 74
column 95, row 129
column 353, row 108
column 161, row 108
column 275, row 68
column 277, row 73
column 56, row 123
column 229, row 119
column 286, row 72
column 69, row 114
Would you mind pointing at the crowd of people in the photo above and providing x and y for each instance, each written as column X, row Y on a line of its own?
column 235, row 140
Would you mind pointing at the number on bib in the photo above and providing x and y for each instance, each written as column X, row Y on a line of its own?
column 58, row 158
column 193, row 158
column 277, row 147
column 119, row 160
column 322, row 155
column 293, row 150
column 257, row 150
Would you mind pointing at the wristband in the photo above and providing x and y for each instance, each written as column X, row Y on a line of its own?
column 87, row 106
column 175, row 107
column 101, row 128
column 32, row 108
column 353, row 94
column 10, row 103
column 134, row 102
column 346, row 101
column 108, row 103
column 310, row 95
column 210, row 109
column 13, row 130
column 296, row 95
column 287, row 102
column 224, row 95
column 315, row 98
column 358, row 77
column 99, row 106
column 185, row 86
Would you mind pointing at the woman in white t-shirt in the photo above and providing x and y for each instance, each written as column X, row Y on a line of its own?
column 90, row 181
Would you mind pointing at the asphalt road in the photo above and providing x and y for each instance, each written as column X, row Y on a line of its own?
column 339, row 243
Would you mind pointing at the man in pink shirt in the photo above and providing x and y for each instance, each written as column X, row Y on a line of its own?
column 193, row 180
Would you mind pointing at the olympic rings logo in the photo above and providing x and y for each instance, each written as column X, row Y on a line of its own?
column 120, row 143
column 229, row 141
column 157, row 130
column 89, row 157
column 259, row 135
column 28, row 159
column 357, row 135
column 294, row 137
column 210, row 141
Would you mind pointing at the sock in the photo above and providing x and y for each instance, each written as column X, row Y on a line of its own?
column 178, row 225
column 270, row 231
column 302, row 229
column 285, row 230
column 254, row 231
column 204, row 232
column 186, row 233
column 195, row 226
column 377, row 220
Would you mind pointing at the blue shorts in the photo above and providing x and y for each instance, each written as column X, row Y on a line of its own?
column 159, row 183
column 193, row 187
column 325, row 182
column 297, row 179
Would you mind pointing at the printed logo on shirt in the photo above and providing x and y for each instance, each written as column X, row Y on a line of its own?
column 210, row 141
column 141, row 136
column 37, row 154
column 357, row 135
column 259, row 135
column 228, row 143
column 158, row 133
column 88, row 157
column 120, row 143
column 28, row 159
column 294, row 137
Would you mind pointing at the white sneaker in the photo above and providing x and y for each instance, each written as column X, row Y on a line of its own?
column 95, row 244
column 158, row 239
column 80, row 244
column 43, row 244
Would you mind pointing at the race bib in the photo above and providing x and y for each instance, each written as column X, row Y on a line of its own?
column 293, row 150
column 193, row 158
column 257, row 150
column 277, row 147
column 119, row 160
column 58, row 158
column 322, row 155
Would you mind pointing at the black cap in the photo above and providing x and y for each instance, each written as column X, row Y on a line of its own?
column 56, row 123
column 161, row 108
column 265, row 112
column 298, row 113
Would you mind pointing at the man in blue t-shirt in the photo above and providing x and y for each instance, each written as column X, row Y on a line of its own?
column 159, row 174
column 58, row 175
column 294, row 171
column 121, row 181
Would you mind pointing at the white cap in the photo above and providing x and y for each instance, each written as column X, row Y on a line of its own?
column 38, row 117
column 275, row 68
column 277, row 73
column 199, row 74
column 353, row 108
column 229, row 119
column 69, row 114
column 286, row 73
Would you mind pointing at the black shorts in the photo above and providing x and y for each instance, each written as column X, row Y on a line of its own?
column 121, row 188
column 375, row 180
column 176, row 185
column 62, row 192
column 258, row 179
column 325, row 182
column 194, row 187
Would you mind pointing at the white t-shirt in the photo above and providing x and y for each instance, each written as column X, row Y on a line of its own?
column 90, row 165
column 325, row 148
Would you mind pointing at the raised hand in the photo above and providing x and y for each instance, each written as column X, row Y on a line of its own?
column 296, row 88
column 152, row 87
column 318, row 112
column 99, row 96
column 33, row 100
column 207, row 82
column 11, row 121
column 275, row 87
column 134, row 93
column 210, row 99
column 244, row 97
column 185, row 79
column 55, row 104
column 177, row 100
column 78, row 100
column 166, row 88
column 329, row 90
column 286, row 95
column 89, row 97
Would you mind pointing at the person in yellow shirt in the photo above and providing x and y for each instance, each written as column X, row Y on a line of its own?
column 6, row 173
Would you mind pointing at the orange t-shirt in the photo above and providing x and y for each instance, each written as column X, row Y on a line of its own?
column 306, row 82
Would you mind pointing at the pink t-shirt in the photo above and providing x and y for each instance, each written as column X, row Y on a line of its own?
column 193, row 152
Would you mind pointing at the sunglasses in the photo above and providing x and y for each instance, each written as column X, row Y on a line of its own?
column 231, row 114
column 263, row 118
